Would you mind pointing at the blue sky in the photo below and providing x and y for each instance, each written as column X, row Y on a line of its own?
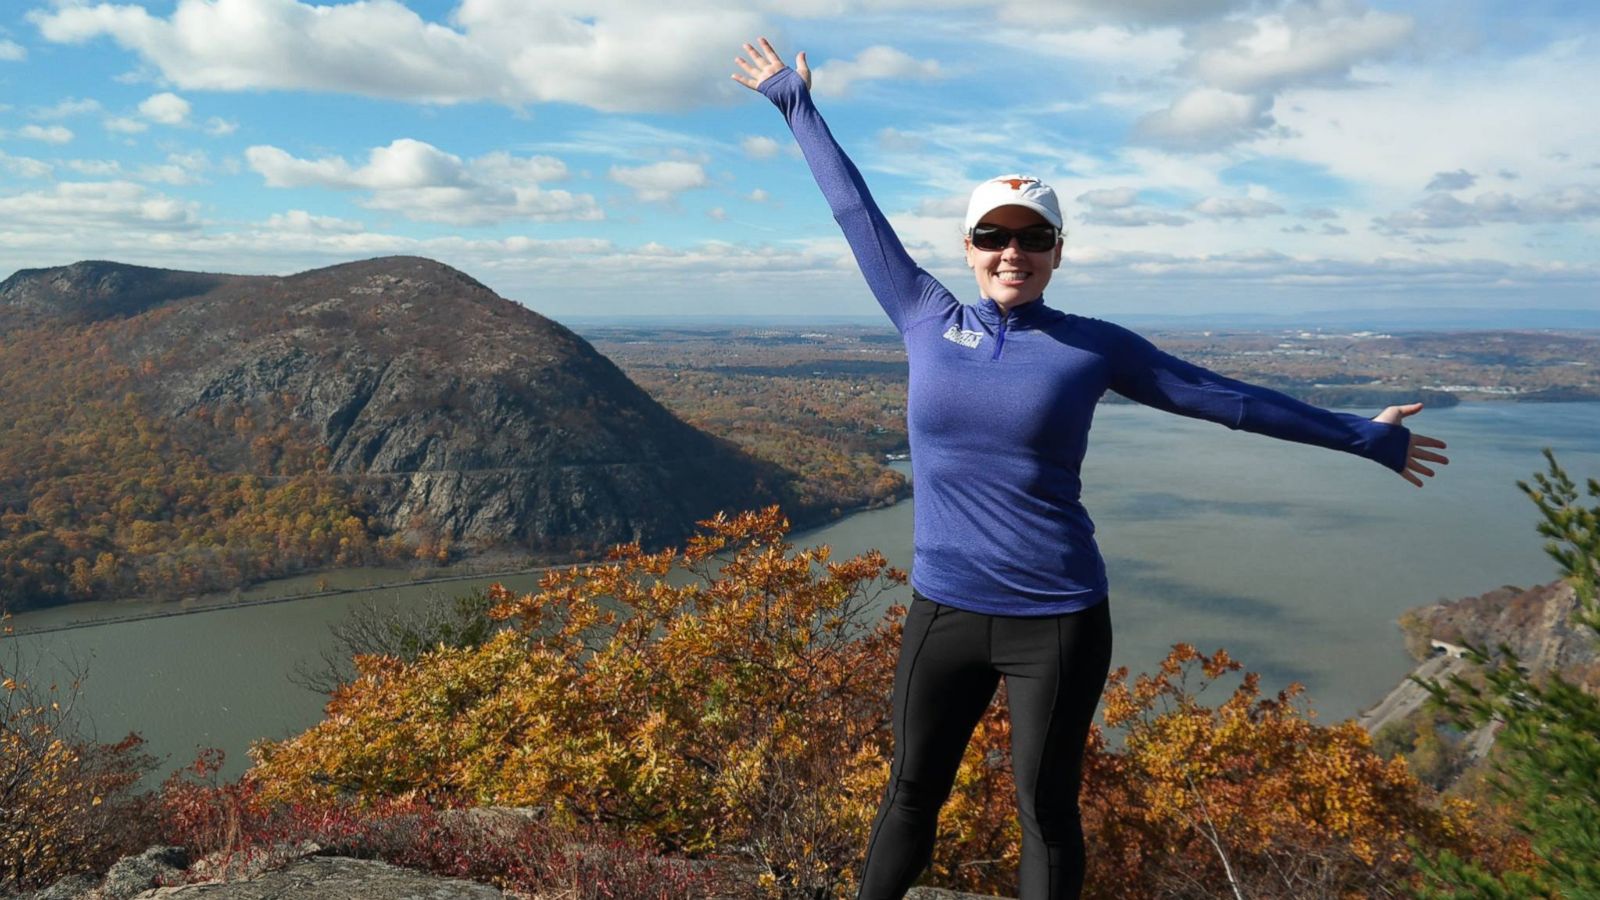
column 594, row 159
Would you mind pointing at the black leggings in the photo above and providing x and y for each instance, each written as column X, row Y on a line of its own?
column 950, row 663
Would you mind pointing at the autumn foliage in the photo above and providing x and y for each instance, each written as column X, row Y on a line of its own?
column 103, row 497
column 66, row 801
column 1249, row 794
column 731, row 700
column 729, row 695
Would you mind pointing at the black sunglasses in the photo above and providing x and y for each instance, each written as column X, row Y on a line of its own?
column 1033, row 239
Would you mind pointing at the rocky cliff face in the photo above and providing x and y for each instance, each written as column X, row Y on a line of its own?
column 1535, row 623
column 458, row 412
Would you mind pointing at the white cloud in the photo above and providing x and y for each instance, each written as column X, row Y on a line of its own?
column 660, row 181
column 179, row 169
column 894, row 140
column 1306, row 42
column 1459, row 180
column 1236, row 208
column 1131, row 217
column 50, row 134
column 1439, row 210
column 216, row 126
column 758, row 196
column 11, row 51
column 1239, row 64
column 165, row 108
column 405, row 163
column 107, row 204
column 1132, row 51
column 758, row 147
column 615, row 56
column 1110, row 198
column 1206, row 117
column 949, row 206
column 424, row 183
column 717, row 214
column 1566, row 204
column 1118, row 207
column 167, row 173
column 1135, row 12
column 25, row 167
column 302, row 222
column 1414, row 122
column 67, row 108
column 95, row 168
column 125, row 125
column 502, row 166
column 834, row 79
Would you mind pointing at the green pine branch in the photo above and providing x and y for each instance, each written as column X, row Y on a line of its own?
column 1547, row 761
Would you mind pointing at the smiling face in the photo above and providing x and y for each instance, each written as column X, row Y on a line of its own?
column 1013, row 276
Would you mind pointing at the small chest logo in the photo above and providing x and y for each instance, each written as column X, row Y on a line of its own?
column 968, row 339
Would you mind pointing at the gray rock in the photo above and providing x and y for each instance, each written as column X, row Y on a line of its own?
column 71, row 887
column 133, row 875
column 333, row 878
column 933, row 893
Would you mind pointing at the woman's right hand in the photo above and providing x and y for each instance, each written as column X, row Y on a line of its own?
column 764, row 63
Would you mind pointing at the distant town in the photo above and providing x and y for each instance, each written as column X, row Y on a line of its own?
column 1321, row 365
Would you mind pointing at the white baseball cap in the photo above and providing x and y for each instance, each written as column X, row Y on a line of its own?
column 1012, row 190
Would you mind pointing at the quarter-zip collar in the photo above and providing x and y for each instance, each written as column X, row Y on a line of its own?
column 1033, row 314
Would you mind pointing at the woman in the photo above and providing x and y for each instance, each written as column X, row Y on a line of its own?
column 1007, row 581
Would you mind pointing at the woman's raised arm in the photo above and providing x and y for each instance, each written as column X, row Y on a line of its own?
column 905, row 290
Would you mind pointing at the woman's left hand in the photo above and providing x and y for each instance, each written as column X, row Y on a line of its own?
column 1421, row 450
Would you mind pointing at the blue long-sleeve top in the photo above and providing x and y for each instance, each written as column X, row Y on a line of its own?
column 999, row 409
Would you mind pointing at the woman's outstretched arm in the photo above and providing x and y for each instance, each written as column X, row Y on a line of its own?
column 1144, row 373
column 904, row 290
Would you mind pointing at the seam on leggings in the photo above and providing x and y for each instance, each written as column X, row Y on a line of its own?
column 988, row 636
column 894, row 775
column 1052, row 872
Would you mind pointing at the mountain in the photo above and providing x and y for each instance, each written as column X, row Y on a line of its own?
column 445, row 413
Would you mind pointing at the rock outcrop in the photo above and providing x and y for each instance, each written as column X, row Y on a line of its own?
column 337, row 878
column 1535, row 623
column 334, row 878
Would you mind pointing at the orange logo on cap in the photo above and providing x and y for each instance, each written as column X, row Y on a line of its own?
column 1017, row 183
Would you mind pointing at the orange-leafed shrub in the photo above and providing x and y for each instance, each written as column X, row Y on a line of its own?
column 67, row 803
column 733, row 694
column 1248, row 793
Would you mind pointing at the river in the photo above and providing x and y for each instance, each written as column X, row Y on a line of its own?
column 1296, row 560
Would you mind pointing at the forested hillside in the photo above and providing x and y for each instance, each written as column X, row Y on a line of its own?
column 167, row 433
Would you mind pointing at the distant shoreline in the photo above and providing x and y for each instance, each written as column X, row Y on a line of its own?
column 163, row 611
column 160, row 613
